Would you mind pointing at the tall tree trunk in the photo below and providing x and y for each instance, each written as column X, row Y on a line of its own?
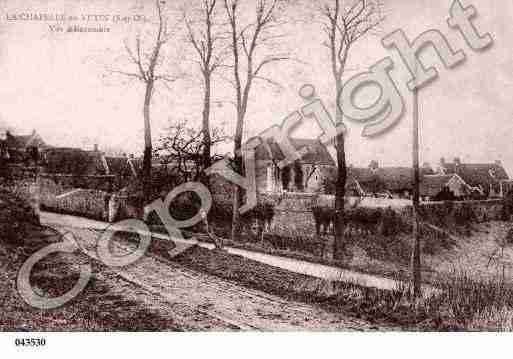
column 207, row 140
column 416, row 200
column 339, row 220
column 146, row 172
column 239, row 168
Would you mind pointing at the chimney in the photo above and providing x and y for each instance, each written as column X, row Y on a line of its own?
column 442, row 162
column 33, row 132
column 498, row 162
column 457, row 161
column 95, row 147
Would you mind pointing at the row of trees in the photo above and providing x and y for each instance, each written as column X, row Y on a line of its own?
column 239, row 41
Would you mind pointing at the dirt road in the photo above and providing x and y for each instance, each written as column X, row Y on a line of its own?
column 198, row 301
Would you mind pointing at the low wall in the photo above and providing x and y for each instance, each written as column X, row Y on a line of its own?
column 294, row 217
column 62, row 197
column 325, row 200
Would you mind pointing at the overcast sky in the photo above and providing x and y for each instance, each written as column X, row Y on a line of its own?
column 56, row 83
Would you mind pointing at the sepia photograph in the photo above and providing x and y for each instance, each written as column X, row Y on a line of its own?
column 228, row 166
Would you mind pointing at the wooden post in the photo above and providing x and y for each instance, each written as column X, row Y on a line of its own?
column 416, row 262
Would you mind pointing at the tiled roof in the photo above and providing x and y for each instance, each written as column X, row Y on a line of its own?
column 384, row 179
column 117, row 165
column 317, row 152
column 390, row 178
column 476, row 174
column 368, row 180
column 23, row 141
column 432, row 185
column 74, row 161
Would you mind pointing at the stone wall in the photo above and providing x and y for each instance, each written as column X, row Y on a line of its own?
column 62, row 197
column 58, row 193
column 293, row 216
column 293, row 212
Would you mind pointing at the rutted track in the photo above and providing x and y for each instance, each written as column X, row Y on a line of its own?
column 198, row 301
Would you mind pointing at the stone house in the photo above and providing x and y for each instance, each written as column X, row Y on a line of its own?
column 443, row 187
column 306, row 175
column 74, row 161
column 388, row 182
column 462, row 180
column 21, row 149
column 487, row 178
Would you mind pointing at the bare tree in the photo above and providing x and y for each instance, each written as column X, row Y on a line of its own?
column 344, row 27
column 206, row 38
column 146, row 60
column 182, row 148
column 247, row 67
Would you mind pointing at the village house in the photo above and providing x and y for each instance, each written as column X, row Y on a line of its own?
column 487, row 178
column 313, row 173
column 21, row 149
column 74, row 161
column 377, row 181
column 444, row 187
column 305, row 175
column 397, row 182
column 449, row 180
column 93, row 166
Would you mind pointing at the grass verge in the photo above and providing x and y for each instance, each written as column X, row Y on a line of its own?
column 97, row 308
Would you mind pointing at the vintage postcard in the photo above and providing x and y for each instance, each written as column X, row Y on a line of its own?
column 255, row 165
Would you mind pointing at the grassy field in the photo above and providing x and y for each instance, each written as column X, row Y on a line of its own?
column 472, row 265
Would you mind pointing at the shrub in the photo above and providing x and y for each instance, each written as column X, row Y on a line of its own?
column 508, row 205
column 391, row 223
column 438, row 214
column 371, row 220
column 254, row 222
column 464, row 215
column 263, row 211
column 15, row 216
column 323, row 217
column 509, row 237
